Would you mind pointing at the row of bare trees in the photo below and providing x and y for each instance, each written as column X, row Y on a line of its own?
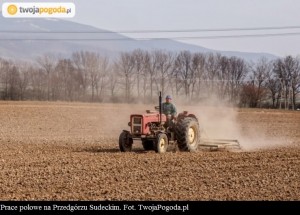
column 186, row 75
column 139, row 76
column 273, row 83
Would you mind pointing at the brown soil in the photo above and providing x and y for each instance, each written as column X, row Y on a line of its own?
column 69, row 151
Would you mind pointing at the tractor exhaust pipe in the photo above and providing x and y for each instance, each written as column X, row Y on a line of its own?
column 160, row 107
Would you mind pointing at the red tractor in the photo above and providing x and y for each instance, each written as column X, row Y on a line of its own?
column 157, row 131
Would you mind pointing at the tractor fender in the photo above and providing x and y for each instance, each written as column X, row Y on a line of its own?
column 182, row 116
column 128, row 132
column 193, row 116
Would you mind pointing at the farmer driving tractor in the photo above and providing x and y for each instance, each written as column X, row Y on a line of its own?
column 169, row 109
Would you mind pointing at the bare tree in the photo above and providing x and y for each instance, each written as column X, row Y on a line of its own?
column 286, row 70
column 24, row 69
column 146, row 73
column 66, row 79
column 81, row 63
column 38, row 82
column 125, row 65
column 238, row 71
column 139, row 65
column 10, row 78
column 273, row 84
column 103, row 69
column 92, row 67
column 4, row 77
column 260, row 73
column 212, row 67
column 248, row 96
column 223, row 75
column 187, row 74
column 13, row 83
column 151, row 65
column 176, row 81
column 198, row 65
column 295, row 82
column 47, row 63
column 279, row 74
column 164, row 62
column 113, row 83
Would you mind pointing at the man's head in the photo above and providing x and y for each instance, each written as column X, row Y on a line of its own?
column 168, row 98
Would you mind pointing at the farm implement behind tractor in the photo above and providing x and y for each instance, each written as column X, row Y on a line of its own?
column 219, row 144
column 157, row 131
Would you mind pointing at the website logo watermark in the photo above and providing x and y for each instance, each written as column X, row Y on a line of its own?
column 38, row 10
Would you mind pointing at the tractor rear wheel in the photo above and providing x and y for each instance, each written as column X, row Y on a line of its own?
column 125, row 142
column 161, row 143
column 188, row 134
column 147, row 144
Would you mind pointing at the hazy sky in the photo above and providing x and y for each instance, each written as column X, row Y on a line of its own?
column 140, row 15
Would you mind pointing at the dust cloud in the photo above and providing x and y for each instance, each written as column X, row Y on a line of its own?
column 220, row 121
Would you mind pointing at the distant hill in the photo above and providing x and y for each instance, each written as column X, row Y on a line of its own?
column 42, row 37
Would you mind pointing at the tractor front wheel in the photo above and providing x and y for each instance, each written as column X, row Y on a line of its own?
column 161, row 143
column 125, row 142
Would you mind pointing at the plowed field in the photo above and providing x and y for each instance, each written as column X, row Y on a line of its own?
column 69, row 151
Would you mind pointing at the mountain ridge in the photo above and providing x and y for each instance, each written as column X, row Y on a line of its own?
column 30, row 38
